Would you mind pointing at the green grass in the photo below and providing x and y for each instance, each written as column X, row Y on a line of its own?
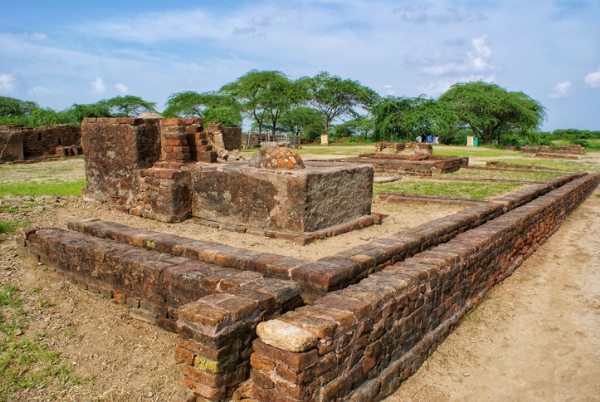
column 35, row 189
column 448, row 189
column 491, row 174
column 556, row 164
column 11, row 226
column 471, row 151
column 25, row 362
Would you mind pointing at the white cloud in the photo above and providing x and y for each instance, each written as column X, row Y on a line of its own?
column 562, row 89
column 443, row 84
column 592, row 80
column 475, row 61
column 98, row 86
column 122, row 88
column 40, row 90
column 7, row 83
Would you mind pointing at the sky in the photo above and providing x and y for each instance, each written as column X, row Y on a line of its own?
column 60, row 52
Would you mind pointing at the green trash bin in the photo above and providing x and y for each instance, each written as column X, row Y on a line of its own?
column 475, row 141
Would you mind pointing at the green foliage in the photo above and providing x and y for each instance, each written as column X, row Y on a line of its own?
column 303, row 121
column 208, row 105
column 489, row 110
column 265, row 96
column 335, row 97
column 360, row 128
column 573, row 134
column 80, row 111
column 129, row 106
column 403, row 119
column 11, row 107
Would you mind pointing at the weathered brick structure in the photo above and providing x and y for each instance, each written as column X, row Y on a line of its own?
column 572, row 149
column 148, row 167
column 421, row 164
column 18, row 143
column 405, row 147
column 351, row 326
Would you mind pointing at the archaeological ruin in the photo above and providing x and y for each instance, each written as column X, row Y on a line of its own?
column 20, row 143
column 350, row 326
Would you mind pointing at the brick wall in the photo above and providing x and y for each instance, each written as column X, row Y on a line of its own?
column 11, row 144
column 361, row 342
column 574, row 149
column 17, row 143
column 116, row 150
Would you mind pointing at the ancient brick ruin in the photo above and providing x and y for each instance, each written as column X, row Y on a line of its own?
column 351, row 326
column 161, row 169
column 560, row 152
column 20, row 143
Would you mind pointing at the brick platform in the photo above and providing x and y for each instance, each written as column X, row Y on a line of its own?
column 356, row 323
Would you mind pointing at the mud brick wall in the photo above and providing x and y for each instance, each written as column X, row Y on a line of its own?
column 300, row 200
column 231, row 136
column 17, row 143
column 116, row 149
column 361, row 342
column 11, row 144
column 421, row 165
column 574, row 149
column 42, row 141
column 164, row 194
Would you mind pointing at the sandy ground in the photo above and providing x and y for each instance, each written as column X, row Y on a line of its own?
column 536, row 337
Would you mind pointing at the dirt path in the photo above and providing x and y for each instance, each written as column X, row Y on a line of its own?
column 537, row 336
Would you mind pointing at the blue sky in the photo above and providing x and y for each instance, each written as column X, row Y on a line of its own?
column 62, row 52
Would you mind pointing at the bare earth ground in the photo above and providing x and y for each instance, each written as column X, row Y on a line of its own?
column 535, row 338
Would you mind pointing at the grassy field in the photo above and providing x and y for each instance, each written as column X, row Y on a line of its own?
column 490, row 174
column 476, row 190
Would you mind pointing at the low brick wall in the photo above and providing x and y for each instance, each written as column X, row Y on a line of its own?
column 419, row 164
column 361, row 342
column 574, row 149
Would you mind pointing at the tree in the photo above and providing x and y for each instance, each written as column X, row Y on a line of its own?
column 265, row 96
column 12, row 107
column 361, row 127
column 489, row 110
column 401, row 117
column 334, row 97
column 302, row 121
column 129, row 106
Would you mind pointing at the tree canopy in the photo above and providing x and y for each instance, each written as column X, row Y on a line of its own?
column 129, row 106
column 403, row 118
column 265, row 95
column 489, row 110
column 335, row 97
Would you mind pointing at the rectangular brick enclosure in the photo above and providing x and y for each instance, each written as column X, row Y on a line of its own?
column 350, row 326
column 161, row 169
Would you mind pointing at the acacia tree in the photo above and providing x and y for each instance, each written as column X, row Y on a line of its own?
column 335, row 97
column 265, row 96
column 302, row 120
column 489, row 110
column 210, row 106
column 397, row 117
column 129, row 106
